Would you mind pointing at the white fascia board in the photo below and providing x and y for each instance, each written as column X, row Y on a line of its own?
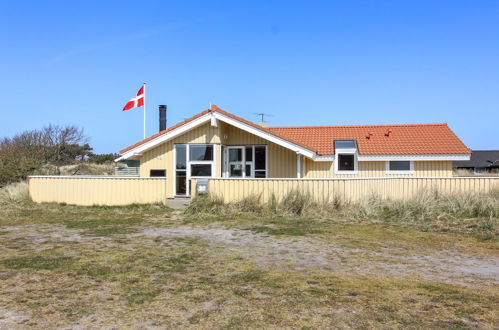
column 324, row 158
column 435, row 157
column 267, row 136
column 165, row 137
column 374, row 158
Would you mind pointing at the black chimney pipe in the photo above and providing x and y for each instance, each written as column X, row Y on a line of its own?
column 162, row 117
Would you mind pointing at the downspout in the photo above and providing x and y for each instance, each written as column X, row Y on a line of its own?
column 298, row 165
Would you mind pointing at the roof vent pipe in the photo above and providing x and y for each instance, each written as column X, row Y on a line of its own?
column 162, row 117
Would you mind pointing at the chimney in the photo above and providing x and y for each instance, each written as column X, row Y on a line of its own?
column 162, row 117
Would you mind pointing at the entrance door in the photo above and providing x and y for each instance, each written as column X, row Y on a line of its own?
column 181, row 182
column 192, row 161
column 236, row 162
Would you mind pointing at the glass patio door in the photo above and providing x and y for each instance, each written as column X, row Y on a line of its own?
column 236, row 161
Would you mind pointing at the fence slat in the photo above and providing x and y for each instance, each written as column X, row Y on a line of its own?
column 348, row 188
column 82, row 190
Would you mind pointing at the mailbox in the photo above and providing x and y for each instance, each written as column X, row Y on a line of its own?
column 202, row 186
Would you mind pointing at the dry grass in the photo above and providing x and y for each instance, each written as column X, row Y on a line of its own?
column 64, row 266
column 14, row 193
column 185, row 283
column 475, row 214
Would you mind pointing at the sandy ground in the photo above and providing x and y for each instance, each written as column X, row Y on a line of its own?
column 289, row 253
column 302, row 253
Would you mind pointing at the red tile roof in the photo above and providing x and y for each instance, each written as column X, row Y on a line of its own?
column 378, row 139
column 371, row 139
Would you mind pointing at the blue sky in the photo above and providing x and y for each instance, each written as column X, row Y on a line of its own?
column 304, row 62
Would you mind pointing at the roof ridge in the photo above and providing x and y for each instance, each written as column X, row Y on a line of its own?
column 350, row 126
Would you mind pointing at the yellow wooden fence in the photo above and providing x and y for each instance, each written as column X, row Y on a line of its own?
column 112, row 190
column 352, row 189
column 97, row 190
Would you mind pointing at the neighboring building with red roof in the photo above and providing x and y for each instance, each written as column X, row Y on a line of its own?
column 216, row 143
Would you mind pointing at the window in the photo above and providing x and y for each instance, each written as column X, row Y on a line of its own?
column 249, row 154
column 157, row 173
column 200, row 152
column 399, row 167
column 246, row 161
column 192, row 160
column 200, row 170
column 346, row 162
column 260, row 162
column 180, row 169
column 235, row 154
column 181, row 156
column 345, row 157
column 345, row 144
column 200, row 160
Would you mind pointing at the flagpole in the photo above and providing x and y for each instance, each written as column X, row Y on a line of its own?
column 144, row 110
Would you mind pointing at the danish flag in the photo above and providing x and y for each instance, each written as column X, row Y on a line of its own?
column 137, row 101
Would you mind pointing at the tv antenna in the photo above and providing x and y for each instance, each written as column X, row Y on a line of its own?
column 263, row 115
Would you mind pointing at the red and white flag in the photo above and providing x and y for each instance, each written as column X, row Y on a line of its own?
column 137, row 101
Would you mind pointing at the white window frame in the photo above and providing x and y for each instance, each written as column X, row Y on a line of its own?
column 266, row 160
column 226, row 165
column 200, row 162
column 174, row 181
column 243, row 160
column 346, row 151
column 410, row 171
column 188, row 167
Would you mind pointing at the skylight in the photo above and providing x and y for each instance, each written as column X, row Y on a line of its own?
column 345, row 144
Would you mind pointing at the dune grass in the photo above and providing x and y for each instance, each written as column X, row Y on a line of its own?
column 474, row 214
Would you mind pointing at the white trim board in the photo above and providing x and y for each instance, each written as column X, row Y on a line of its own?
column 264, row 135
column 367, row 158
column 208, row 117
column 165, row 137
column 381, row 158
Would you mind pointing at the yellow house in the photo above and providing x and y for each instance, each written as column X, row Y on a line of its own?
column 217, row 144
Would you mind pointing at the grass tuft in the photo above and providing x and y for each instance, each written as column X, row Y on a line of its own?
column 37, row 262
column 14, row 193
column 205, row 204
